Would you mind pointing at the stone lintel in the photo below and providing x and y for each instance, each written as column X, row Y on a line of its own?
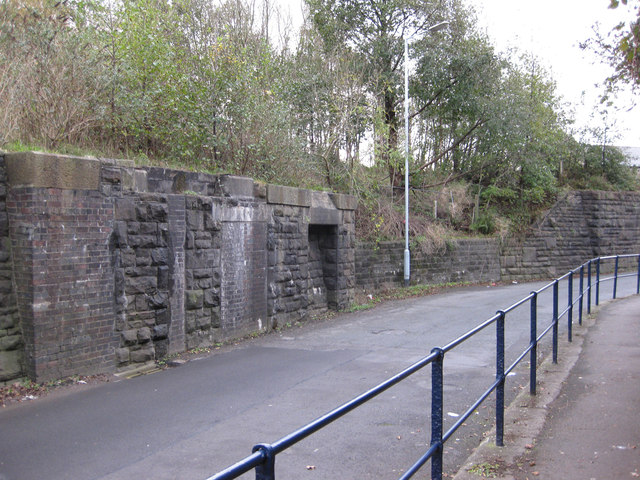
column 324, row 216
column 281, row 195
column 45, row 170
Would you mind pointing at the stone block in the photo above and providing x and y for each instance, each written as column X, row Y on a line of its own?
column 137, row 285
column 143, row 355
column 8, row 321
column 529, row 254
column 10, row 365
column 159, row 300
column 160, row 332
column 44, row 170
column 194, row 299
column 122, row 356
column 212, row 297
column 278, row 194
column 324, row 216
column 11, row 342
column 344, row 202
column 129, row 337
column 144, row 335
column 159, row 256
column 233, row 186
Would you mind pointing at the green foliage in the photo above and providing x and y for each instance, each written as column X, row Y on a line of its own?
column 620, row 48
column 205, row 85
column 485, row 223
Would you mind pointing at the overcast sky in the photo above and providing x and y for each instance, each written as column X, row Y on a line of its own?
column 552, row 31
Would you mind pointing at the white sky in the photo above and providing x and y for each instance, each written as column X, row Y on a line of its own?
column 552, row 30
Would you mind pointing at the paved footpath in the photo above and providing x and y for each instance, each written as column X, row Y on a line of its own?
column 592, row 427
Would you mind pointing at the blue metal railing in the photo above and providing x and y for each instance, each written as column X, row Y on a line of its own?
column 263, row 456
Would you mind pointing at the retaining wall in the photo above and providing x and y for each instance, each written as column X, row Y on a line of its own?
column 582, row 225
column 107, row 267
column 381, row 265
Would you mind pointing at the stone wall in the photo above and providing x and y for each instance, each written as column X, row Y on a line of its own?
column 381, row 265
column 11, row 342
column 107, row 267
column 581, row 226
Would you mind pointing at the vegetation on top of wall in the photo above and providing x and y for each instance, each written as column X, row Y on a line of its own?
column 229, row 87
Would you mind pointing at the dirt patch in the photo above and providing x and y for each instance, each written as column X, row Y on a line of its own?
column 27, row 390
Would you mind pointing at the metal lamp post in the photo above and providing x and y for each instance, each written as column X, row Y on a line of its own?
column 407, row 252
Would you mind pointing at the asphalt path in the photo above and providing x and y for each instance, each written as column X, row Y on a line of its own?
column 192, row 421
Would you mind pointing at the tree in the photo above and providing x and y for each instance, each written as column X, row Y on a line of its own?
column 374, row 30
column 620, row 48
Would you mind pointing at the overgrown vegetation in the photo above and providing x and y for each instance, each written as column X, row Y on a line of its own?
column 228, row 86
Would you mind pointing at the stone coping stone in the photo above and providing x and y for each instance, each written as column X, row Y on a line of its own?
column 234, row 186
column 344, row 202
column 46, row 170
column 282, row 195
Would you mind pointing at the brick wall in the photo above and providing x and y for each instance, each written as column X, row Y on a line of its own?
column 63, row 279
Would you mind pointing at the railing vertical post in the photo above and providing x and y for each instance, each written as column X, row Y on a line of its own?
column 555, row 321
column 500, row 378
column 570, row 307
column 437, row 408
column 533, row 354
column 638, row 280
column 589, row 287
column 597, row 281
column 267, row 470
column 615, row 277
column 581, row 303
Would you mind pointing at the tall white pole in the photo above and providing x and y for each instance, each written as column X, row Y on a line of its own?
column 407, row 252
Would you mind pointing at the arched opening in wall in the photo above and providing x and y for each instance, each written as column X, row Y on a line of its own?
column 323, row 274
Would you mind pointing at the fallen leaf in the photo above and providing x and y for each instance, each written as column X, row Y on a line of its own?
column 535, row 474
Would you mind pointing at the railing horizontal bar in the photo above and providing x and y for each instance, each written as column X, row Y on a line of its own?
column 243, row 466
column 625, row 275
column 517, row 304
column 338, row 412
column 561, row 314
column 544, row 332
column 259, row 457
column 465, row 416
column 420, row 463
column 470, row 334
column 518, row 360
column 546, row 287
